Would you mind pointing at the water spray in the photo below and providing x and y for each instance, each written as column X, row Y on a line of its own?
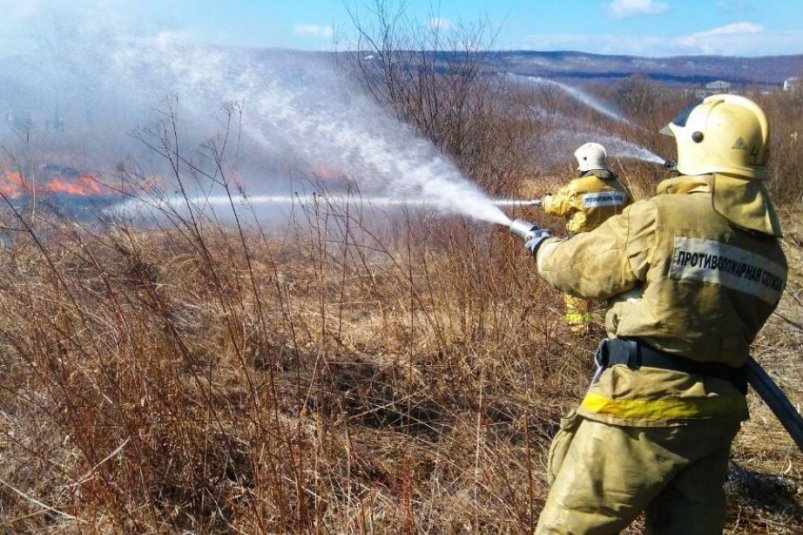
column 523, row 229
column 577, row 94
column 211, row 201
column 615, row 146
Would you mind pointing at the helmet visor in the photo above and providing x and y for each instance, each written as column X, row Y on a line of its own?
column 679, row 121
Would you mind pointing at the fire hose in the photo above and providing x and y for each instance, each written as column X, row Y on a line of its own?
column 776, row 400
column 757, row 377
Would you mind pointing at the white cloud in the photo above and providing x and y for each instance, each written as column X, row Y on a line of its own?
column 632, row 8
column 726, row 40
column 739, row 39
column 313, row 30
column 438, row 23
column 729, row 29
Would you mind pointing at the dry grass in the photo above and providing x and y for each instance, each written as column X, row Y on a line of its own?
column 327, row 381
column 767, row 477
column 345, row 376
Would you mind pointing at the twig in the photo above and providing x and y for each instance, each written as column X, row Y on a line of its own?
column 793, row 323
column 40, row 504
column 91, row 471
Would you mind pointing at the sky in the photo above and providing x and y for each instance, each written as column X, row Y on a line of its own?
column 633, row 27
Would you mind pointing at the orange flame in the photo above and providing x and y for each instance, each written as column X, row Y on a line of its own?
column 13, row 185
column 83, row 185
column 328, row 172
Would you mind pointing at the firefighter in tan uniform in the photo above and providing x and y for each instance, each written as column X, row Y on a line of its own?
column 586, row 202
column 693, row 274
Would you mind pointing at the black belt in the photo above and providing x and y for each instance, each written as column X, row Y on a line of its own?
column 635, row 354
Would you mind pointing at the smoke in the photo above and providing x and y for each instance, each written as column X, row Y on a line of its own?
column 36, row 26
column 74, row 95
column 90, row 86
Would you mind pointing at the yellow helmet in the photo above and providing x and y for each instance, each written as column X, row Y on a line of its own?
column 724, row 134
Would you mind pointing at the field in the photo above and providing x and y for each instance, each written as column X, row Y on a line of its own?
column 352, row 370
column 335, row 378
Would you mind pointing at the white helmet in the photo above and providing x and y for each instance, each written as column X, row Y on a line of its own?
column 724, row 134
column 591, row 156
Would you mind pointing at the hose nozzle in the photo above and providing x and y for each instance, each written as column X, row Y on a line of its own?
column 522, row 229
column 670, row 164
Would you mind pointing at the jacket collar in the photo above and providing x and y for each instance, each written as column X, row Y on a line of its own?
column 745, row 203
column 604, row 174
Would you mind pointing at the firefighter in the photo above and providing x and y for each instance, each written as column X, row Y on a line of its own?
column 692, row 274
column 586, row 202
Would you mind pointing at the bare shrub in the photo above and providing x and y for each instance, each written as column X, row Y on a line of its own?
column 784, row 111
column 433, row 79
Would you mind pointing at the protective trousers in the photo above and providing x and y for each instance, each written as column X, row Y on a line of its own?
column 604, row 475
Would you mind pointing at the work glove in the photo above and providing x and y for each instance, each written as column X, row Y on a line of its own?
column 537, row 237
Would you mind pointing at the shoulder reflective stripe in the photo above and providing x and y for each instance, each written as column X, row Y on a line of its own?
column 665, row 409
column 732, row 267
column 604, row 198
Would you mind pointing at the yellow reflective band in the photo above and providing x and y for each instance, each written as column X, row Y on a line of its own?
column 665, row 409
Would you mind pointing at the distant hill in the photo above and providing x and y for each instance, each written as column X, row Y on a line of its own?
column 580, row 67
column 769, row 71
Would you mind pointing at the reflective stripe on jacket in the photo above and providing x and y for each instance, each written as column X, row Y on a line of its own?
column 589, row 200
column 653, row 397
column 682, row 278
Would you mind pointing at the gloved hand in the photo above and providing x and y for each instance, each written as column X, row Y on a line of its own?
column 536, row 239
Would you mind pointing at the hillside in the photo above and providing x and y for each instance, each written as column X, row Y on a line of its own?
column 687, row 70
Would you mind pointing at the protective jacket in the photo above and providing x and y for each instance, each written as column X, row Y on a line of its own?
column 695, row 272
column 588, row 200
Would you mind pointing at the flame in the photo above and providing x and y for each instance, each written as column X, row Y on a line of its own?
column 12, row 184
column 328, row 172
column 83, row 186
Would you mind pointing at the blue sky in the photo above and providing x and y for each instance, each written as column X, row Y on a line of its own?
column 639, row 27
